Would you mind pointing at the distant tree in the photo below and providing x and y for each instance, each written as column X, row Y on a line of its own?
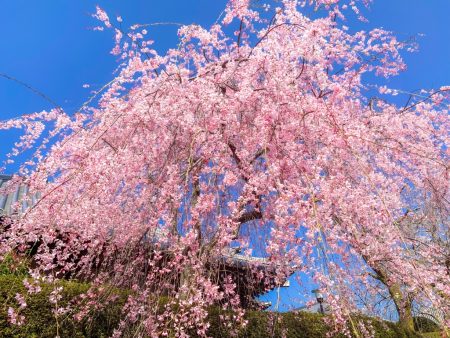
column 261, row 132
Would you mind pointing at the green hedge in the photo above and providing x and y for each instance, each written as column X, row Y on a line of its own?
column 298, row 325
column 40, row 321
column 423, row 324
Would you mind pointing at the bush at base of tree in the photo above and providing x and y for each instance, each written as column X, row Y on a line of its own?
column 40, row 320
column 423, row 324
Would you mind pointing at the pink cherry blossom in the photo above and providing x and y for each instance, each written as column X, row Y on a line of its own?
column 265, row 140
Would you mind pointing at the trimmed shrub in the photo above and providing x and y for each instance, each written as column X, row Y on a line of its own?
column 40, row 320
column 13, row 265
column 432, row 335
column 299, row 325
column 424, row 324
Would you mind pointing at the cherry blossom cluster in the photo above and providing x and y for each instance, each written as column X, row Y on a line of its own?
column 268, row 141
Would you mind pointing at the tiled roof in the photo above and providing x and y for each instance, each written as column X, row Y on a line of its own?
column 9, row 201
column 314, row 308
column 230, row 253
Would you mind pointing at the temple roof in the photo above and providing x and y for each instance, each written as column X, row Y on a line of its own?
column 14, row 200
column 7, row 200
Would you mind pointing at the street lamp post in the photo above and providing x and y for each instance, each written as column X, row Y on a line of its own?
column 319, row 297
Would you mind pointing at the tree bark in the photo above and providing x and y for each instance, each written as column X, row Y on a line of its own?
column 403, row 306
column 401, row 300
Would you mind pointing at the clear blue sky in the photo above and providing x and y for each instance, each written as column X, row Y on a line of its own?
column 49, row 45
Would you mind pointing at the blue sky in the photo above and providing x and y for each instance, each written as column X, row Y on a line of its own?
column 50, row 45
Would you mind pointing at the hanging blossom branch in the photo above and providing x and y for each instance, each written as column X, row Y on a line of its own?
column 241, row 151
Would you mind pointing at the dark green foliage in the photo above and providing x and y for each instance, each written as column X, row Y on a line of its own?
column 302, row 324
column 384, row 329
column 423, row 324
column 40, row 320
column 437, row 334
column 12, row 265
column 299, row 325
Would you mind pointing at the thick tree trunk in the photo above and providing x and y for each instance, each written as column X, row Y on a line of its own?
column 403, row 306
column 401, row 300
